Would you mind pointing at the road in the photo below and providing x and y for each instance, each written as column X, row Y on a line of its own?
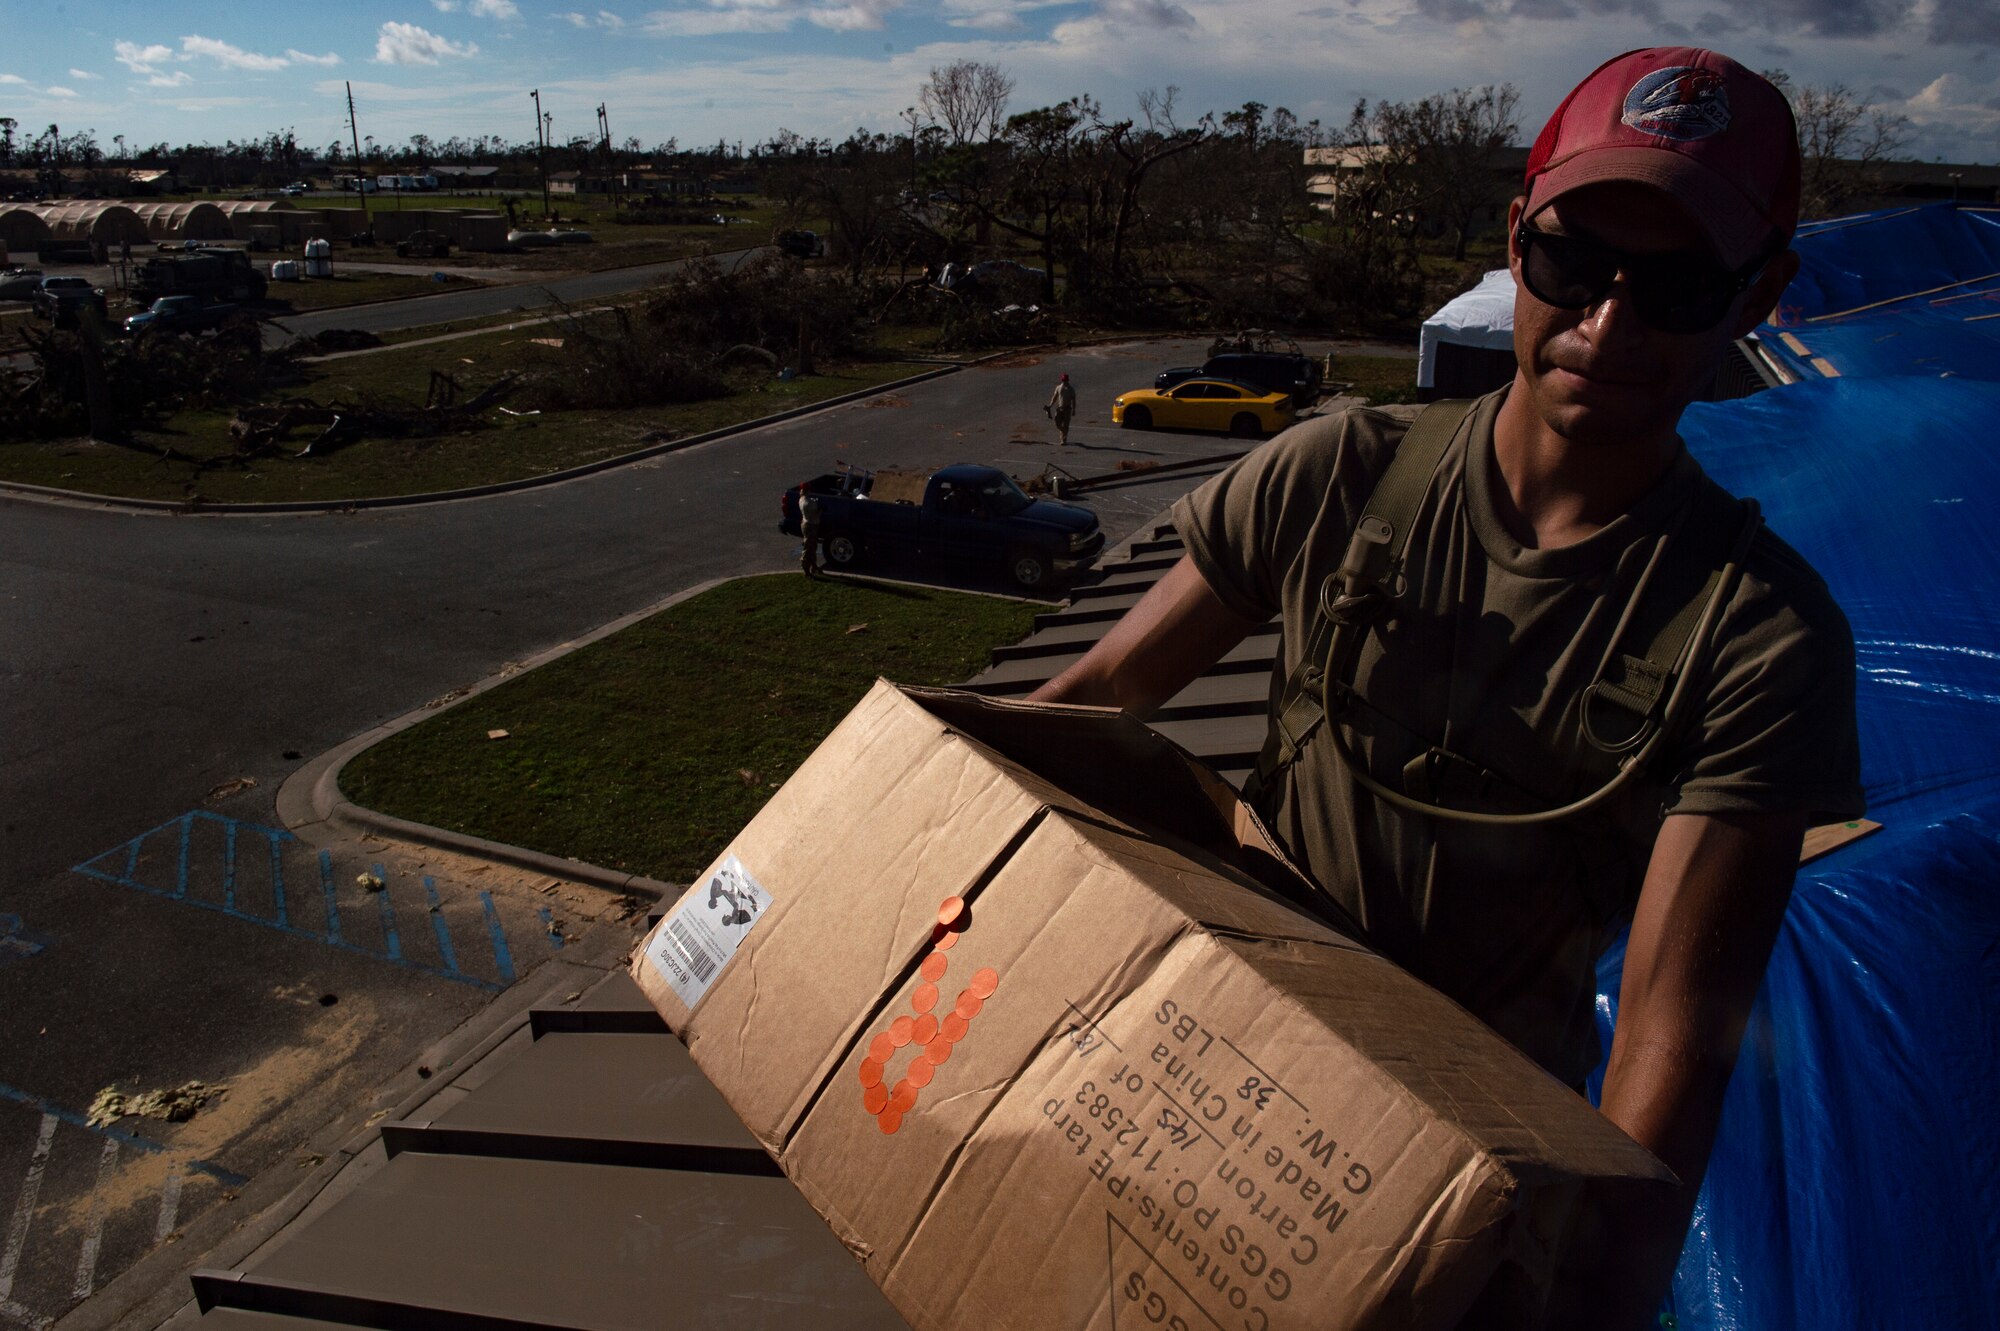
column 152, row 666
column 481, row 302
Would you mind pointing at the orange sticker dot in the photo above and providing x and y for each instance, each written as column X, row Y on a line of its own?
column 881, row 1049
column 933, row 967
column 921, row 1072
column 943, row 939
column 871, row 1072
column 925, row 1030
column 890, row 1120
column 984, row 981
column 952, row 1028
column 904, row 1097
column 875, row 1099
column 949, row 912
column 924, row 999
column 899, row 1030
column 969, row 1004
column 938, row 1050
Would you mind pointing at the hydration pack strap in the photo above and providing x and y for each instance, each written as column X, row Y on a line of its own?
column 1373, row 565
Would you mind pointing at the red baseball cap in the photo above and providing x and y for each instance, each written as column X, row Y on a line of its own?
column 1692, row 123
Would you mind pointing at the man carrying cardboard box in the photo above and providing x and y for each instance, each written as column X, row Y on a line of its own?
column 1541, row 676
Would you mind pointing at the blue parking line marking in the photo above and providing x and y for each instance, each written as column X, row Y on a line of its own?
column 17, row 941
column 107, row 869
column 501, row 956
column 439, row 927
column 388, row 909
column 229, row 865
column 332, row 900
column 549, row 928
column 278, row 874
column 228, row 1178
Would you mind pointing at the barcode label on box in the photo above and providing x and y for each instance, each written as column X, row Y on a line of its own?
column 707, row 925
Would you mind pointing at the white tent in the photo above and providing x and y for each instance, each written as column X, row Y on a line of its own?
column 1482, row 317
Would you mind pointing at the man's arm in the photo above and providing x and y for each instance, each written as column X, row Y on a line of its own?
column 1177, row 630
column 1708, row 913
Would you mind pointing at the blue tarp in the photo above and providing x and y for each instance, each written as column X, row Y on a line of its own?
column 1856, row 1179
column 1898, row 292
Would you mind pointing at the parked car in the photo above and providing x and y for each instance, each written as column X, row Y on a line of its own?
column 61, row 300
column 20, row 283
column 993, row 279
column 179, row 314
column 425, row 244
column 1205, row 404
column 800, row 244
column 1288, row 372
column 964, row 512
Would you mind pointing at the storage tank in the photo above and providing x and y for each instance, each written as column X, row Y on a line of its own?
column 286, row 270
column 319, row 257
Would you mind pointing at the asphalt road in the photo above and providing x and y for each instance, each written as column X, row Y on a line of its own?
column 147, row 662
column 480, row 302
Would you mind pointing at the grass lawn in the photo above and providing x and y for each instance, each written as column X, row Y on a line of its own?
column 505, row 448
column 324, row 293
column 647, row 751
column 1379, row 380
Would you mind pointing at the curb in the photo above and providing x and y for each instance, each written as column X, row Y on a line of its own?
column 310, row 802
column 44, row 493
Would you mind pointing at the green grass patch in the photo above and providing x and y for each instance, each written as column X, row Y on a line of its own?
column 507, row 448
column 646, row 752
column 325, row 293
column 1378, row 380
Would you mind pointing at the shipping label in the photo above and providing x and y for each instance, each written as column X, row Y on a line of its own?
column 1223, row 1190
column 705, row 928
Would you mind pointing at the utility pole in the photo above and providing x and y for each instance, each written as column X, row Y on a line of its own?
column 541, row 149
column 360, row 171
column 610, row 164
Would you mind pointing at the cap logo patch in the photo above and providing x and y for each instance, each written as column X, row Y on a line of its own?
column 1682, row 104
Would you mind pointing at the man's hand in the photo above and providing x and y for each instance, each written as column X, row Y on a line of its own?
column 1178, row 630
column 1708, row 913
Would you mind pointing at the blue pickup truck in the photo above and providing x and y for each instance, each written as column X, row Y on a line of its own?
column 963, row 512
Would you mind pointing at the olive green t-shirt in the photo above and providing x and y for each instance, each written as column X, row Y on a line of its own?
column 1487, row 655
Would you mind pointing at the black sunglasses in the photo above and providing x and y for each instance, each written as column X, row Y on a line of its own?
column 1681, row 292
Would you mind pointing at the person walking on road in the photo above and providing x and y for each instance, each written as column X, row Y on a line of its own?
column 1060, row 407
column 809, row 535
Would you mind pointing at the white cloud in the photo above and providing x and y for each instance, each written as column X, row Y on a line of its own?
column 408, row 44
column 575, row 19
column 230, row 57
column 607, row 19
column 302, row 58
column 10, row 79
column 180, row 78
column 141, row 59
column 604, row 18
column 863, row 15
column 84, row 74
column 57, row 90
column 991, row 20
column 710, row 21
column 446, row 6
column 498, row 9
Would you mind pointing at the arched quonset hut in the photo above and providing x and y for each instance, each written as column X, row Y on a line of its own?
column 22, row 229
column 184, row 221
column 102, row 226
column 246, row 213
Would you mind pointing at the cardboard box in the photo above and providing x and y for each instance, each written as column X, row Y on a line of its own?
column 1013, row 995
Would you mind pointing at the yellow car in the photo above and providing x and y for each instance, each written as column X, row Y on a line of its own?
column 1204, row 404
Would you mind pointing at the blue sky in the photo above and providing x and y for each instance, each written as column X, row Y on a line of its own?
column 700, row 70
